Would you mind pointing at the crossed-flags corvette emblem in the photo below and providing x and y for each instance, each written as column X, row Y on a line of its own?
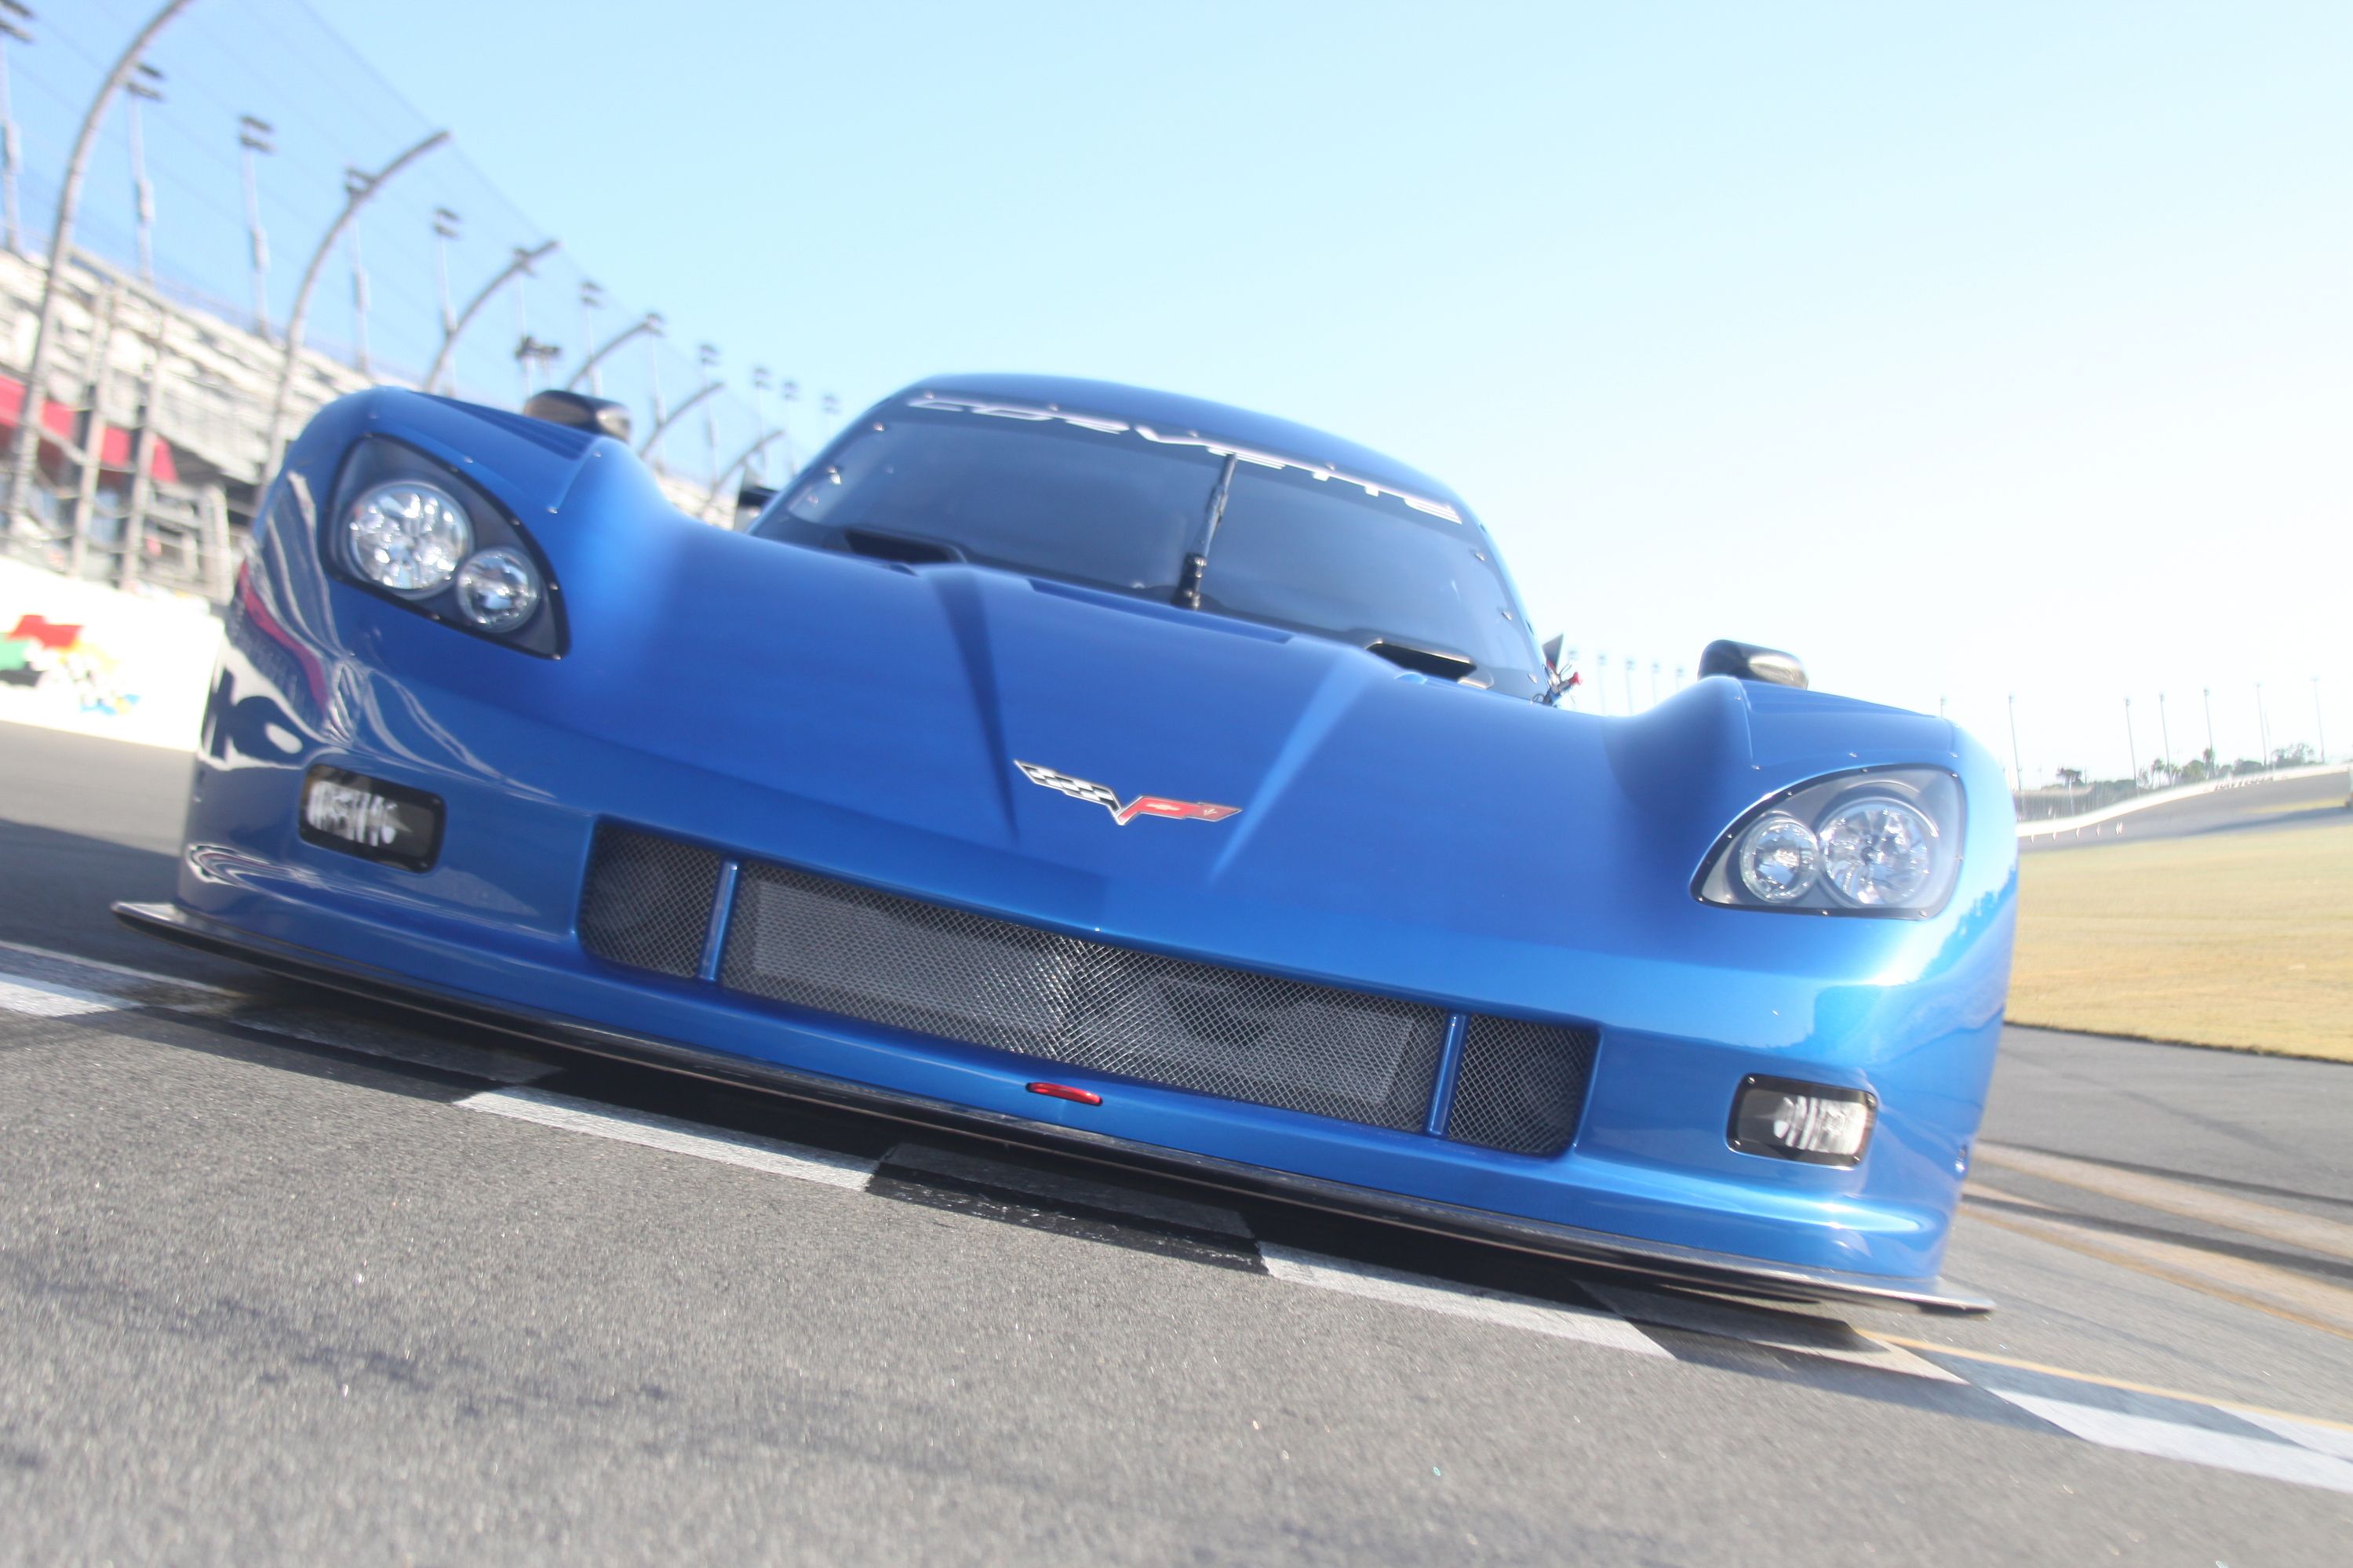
column 1124, row 812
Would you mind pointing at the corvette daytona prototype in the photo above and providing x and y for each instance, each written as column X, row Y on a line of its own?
column 1122, row 774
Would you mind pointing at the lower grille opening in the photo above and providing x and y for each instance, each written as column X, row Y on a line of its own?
column 1520, row 1085
column 879, row 958
column 837, row 948
column 648, row 902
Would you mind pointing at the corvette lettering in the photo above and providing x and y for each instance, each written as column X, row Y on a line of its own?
column 1124, row 812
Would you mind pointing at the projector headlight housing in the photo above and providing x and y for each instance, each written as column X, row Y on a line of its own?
column 1876, row 842
column 414, row 531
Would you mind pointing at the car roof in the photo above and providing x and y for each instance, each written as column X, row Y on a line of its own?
column 1194, row 415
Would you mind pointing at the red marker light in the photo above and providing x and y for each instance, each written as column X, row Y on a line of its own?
column 1065, row 1091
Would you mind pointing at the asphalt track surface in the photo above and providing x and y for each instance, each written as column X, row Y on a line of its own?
column 284, row 1279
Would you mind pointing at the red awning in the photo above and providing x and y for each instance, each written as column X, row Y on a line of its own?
column 113, row 447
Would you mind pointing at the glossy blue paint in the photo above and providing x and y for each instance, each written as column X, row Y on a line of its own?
column 860, row 719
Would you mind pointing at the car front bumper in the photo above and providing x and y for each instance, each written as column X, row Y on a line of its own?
column 1710, row 1269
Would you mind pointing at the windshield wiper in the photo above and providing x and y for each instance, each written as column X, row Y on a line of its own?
column 1189, row 574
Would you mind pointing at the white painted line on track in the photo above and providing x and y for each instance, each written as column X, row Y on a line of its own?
column 1443, row 1296
column 43, row 999
column 771, row 1155
column 2335, row 1441
column 1058, row 1186
column 2195, row 1445
column 1829, row 1339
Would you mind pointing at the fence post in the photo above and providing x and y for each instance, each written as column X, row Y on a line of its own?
column 213, row 500
column 142, row 456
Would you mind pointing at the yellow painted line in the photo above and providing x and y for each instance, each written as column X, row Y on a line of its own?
column 2311, row 1232
column 2124, row 1385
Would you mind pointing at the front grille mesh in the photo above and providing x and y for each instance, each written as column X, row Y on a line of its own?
column 1520, row 1085
column 886, row 960
column 648, row 902
column 853, row 952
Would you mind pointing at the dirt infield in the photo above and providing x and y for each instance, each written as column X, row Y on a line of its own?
column 2241, row 938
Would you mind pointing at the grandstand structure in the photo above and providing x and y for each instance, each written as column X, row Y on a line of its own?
column 168, row 351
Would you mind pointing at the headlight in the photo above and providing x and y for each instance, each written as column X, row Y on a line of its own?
column 498, row 590
column 414, row 531
column 1779, row 859
column 1876, row 841
column 408, row 537
column 1878, row 853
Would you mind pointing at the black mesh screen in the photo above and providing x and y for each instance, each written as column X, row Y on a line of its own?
column 874, row 956
column 648, row 902
column 1521, row 1086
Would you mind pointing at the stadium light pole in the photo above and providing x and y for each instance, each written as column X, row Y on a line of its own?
column 651, row 322
column 13, row 18
column 533, row 357
column 357, row 194
column 352, row 177
column 2017, row 767
column 142, row 89
column 2165, row 734
column 2263, row 727
column 521, row 262
column 591, row 300
column 2131, row 747
column 653, row 395
column 27, row 447
column 254, row 139
column 2213, row 757
column 707, row 356
column 446, row 225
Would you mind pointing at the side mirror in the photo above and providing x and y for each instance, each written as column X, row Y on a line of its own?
column 1746, row 661
column 601, row 415
column 1558, row 681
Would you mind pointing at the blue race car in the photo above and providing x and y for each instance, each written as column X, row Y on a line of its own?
column 1124, row 773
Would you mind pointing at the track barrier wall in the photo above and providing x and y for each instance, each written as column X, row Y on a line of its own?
column 79, row 656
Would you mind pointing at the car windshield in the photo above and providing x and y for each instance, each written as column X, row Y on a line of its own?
column 1107, row 504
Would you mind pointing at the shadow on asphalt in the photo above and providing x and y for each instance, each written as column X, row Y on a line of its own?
column 2302, row 1263
column 55, row 888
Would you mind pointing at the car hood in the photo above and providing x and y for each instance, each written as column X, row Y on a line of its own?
column 896, row 704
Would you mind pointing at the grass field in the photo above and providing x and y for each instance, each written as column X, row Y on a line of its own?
column 2230, row 939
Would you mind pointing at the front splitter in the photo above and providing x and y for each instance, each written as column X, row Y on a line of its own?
column 1716, row 1271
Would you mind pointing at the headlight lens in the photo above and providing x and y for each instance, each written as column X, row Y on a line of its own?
column 1779, row 858
column 1878, row 853
column 1874, row 841
column 408, row 529
column 498, row 589
column 408, row 537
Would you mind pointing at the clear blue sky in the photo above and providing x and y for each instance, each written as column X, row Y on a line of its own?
column 1960, row 350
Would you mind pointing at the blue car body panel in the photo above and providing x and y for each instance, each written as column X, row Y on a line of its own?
column 1398, row 835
